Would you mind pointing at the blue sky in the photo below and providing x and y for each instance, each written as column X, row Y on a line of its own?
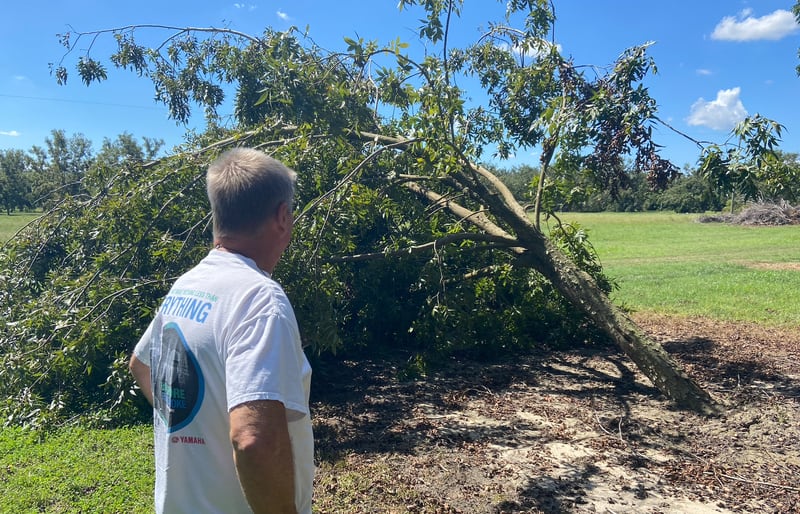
column 718, row 60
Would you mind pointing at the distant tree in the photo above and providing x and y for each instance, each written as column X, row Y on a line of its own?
column 58, row 168
column 689, row 193
column 126, row 148
column 636, row 195
column 114, row 154
column 14, row 180
column 520, row 180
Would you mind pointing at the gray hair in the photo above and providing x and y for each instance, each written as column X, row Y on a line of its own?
column 245, row 187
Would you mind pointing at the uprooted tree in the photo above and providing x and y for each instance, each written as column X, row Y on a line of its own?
column 402, row 236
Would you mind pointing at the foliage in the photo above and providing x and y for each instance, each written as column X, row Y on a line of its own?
column 613, row 115
column 78, row 283
column 740, row 167
column 574, row 241
column 782, row 182
column 689, row 194
column 14, row 181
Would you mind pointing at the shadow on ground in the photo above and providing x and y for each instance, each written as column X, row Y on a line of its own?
column 553, row 433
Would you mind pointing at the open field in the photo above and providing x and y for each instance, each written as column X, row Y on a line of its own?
column 669, row 263
column 573, row 432
column 9, row 225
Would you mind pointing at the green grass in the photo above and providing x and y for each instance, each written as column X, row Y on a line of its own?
column 9, row 225
column 76, row 470
column 669, row 263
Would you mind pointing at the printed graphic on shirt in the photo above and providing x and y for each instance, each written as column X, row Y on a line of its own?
column 188, row 304
column 177, row 380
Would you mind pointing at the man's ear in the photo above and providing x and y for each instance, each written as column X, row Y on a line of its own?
column 284, row 215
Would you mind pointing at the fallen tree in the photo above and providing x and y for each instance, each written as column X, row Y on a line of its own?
column 533, row 249
column 80, row 285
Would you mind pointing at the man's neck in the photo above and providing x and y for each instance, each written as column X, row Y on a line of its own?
column 252, row 248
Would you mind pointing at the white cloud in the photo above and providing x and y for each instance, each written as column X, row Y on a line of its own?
column 745, row 27
column 721, row 114
column 704, row 72
column 12, row 133
column 249, row 7
column 282, row 15
column 532, row 51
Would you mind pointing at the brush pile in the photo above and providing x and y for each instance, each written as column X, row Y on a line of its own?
column 765, row 214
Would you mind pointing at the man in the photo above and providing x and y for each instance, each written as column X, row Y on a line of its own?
column 222, row 362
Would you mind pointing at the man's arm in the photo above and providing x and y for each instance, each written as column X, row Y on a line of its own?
column 141, row 374
column 262, row 452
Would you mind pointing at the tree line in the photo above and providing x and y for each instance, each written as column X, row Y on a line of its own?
column 694, row 190
column 65, row 165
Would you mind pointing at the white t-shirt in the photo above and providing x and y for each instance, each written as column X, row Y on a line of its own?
column 224, row 335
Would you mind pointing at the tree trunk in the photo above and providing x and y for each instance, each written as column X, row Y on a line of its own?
column 537, row 251
column 537, row 204
column 648, row 355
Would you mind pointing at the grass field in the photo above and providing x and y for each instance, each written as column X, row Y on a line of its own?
column 665, row 263
column 669, row 263
column 9, row 225
column 77, row 470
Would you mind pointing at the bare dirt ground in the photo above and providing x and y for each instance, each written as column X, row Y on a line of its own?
column 580, row 432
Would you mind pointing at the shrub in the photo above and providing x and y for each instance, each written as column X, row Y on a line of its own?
column 690, row 194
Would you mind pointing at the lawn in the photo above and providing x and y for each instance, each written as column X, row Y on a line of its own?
column 10, row 224
column 670, row 263
column 76, row 470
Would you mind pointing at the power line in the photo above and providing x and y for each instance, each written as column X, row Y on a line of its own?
column 89, row 102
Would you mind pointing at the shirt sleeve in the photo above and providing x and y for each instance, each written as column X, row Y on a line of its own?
column 265, row 362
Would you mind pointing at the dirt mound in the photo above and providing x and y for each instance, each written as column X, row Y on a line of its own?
column 579, row 432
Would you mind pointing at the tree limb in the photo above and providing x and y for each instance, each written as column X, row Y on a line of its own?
column 496, row 241
column 478, row 219
column 347, row 178
column 511, row 209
